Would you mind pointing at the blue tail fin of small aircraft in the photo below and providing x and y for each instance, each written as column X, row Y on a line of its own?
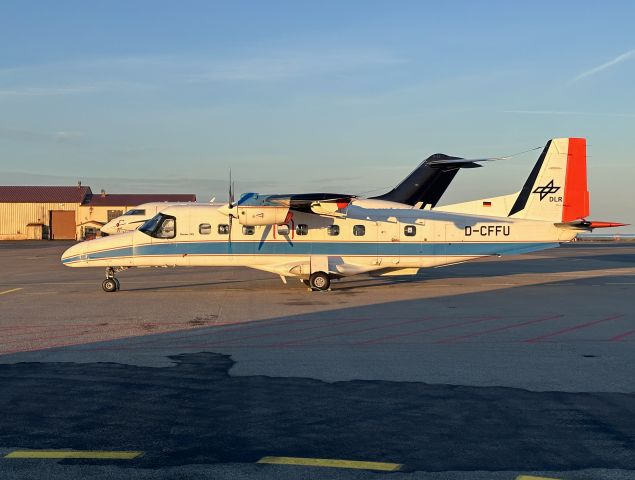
column 428, row 182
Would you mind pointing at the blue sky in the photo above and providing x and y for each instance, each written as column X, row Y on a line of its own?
column 299, row 96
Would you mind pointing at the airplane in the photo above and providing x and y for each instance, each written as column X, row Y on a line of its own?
column 135, row 217
column 423, row 187
column 321, row 237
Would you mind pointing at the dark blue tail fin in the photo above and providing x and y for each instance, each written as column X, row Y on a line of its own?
column 428, row 182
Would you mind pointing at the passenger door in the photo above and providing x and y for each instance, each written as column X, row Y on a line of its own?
column 388, row 245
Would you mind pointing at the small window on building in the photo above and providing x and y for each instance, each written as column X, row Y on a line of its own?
column 359, row 230
column 223, row 229
column 249, row 230
column 409, row 230
column 204, row 229
column 302, row 229
column 112, row 214
column 333, row 230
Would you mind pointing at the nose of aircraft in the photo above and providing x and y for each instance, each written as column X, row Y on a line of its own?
column 110, row 228
column 73, row 255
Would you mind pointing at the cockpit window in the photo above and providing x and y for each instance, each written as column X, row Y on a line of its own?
column 167, row 229
column 136, row 211
column 151, row 225
column 160, row 226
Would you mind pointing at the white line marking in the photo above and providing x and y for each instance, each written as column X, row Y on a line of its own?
column 9, row 291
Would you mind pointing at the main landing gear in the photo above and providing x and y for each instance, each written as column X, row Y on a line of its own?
column 318, row 281
column 111, row 284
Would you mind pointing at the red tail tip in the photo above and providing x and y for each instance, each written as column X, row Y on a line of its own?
column 594, row 224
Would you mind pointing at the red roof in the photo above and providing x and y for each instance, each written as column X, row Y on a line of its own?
column 43, row 194
column 133, row 199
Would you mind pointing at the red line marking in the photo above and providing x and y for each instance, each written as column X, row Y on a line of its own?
column 495, row 330
column 573, row 329
column 427, row 330
column 269, row 334
column 622, row 336
column 337, row 334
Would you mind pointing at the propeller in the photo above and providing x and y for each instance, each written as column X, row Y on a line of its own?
column 231, row 206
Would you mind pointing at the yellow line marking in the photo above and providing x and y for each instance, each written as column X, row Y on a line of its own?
column 9, row 291
column 531, row 477
column 327, row 462
column 99, row 454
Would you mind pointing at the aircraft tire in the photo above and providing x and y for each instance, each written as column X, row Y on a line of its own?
column 109, row 285
column 319, row 281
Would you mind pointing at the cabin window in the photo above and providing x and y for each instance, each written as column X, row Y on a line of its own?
column 283, row 229
column 302, row 229
column 204, row 229
column 359, row 230
column 333, row 230
column 409, row 230
column 249, row 230
column 223, row 229
column 136, row 211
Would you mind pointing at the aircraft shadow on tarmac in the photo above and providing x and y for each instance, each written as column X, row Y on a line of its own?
column 196, row 413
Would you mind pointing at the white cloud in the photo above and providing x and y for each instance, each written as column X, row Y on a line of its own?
column 619, row 59
column 47, row 91
column 288, row 66
column 565, row 112
column 32, row 136
column 66, row 136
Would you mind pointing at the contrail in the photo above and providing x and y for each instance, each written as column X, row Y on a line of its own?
column 619, row 59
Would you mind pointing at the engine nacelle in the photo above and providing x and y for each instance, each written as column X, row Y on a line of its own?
column 255, row 216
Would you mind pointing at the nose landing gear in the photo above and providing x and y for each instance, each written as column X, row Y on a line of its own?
column 111, row 284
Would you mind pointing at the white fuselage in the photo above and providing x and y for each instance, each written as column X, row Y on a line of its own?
column 386, row 240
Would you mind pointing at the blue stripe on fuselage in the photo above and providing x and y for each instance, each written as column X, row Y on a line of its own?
column 318, row 248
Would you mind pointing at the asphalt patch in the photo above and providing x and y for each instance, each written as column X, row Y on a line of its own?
column 196, row 413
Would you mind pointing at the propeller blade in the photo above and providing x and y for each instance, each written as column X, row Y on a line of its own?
column 231, row 219
column 231, row 190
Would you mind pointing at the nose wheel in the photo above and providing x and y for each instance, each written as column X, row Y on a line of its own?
column 111, row 284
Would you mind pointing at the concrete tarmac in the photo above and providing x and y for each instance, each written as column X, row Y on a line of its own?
column 487, row 370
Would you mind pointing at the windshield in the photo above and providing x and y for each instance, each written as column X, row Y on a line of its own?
column 160, row 226
column 151, row 225
column 136, row 211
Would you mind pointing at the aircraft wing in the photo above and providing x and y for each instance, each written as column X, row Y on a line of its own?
column 294, row 201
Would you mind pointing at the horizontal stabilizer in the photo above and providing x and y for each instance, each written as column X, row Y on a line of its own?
column 462, row 162
column 590, row 225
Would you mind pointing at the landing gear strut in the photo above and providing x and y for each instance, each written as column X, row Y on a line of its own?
column 319, row 281
column 111, row 284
